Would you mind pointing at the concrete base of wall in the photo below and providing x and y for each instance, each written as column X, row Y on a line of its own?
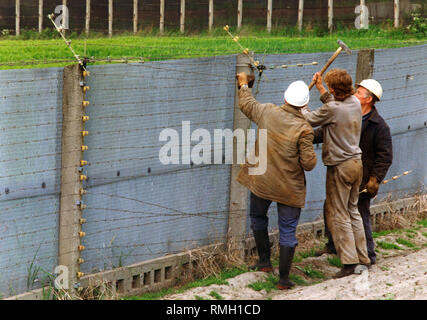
column 163, row 272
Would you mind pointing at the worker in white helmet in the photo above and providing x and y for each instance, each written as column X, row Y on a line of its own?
column 290, row 151
column 377, row 157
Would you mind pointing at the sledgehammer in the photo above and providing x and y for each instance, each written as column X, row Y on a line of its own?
column 342, row 47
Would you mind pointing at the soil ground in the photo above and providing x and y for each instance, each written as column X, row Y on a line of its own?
column 400, row 273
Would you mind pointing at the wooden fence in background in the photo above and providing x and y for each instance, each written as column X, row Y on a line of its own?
column 135, row 19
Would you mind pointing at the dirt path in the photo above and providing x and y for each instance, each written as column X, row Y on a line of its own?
column 400, row 273
column 401, row 277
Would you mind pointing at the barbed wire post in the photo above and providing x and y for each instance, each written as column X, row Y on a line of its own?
column 238, row 193
column 71, row 177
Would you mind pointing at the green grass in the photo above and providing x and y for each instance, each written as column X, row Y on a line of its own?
column 216, row 295
column 385, row 268
column 335, row 261
column 388, row 245
column 298, row 280
column 297, row 258
column 200, row 298
column 268, row 285
column 310, row 272
column 424, row 234
column 220, row 280
column 385, row 233
column 423, row 222
column 411, row 231
column 151, row 47
column 389, row 296
column 405, row 242
column 308, row 253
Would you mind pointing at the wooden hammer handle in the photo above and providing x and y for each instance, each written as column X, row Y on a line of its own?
column 326, row 66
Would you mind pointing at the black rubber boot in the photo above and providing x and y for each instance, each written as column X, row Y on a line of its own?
column 262, row 242
column 285, row 262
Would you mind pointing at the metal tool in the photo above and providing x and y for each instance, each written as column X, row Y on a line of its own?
column 342, row 46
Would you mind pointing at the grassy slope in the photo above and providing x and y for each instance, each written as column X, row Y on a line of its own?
column 176, row 46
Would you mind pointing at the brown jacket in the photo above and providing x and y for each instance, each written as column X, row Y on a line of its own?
column 289, row 152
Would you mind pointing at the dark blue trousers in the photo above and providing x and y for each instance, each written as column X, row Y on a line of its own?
column 288, row 219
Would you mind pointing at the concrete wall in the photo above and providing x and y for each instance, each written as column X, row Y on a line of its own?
column 30, row 149
column 137, row 208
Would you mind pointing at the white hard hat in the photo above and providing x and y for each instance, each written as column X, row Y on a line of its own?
column 297, row 94
column 372, row 86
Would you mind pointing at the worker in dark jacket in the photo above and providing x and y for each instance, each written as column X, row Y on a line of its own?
column 377, row 156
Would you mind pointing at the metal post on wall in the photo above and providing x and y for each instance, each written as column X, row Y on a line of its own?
column 162, row 16
column 396, row 13
column 87, row 25
column 269, row 14
column 17, row 17
column 236, row 232
column 182, row 17
column 300, row 14
column 239, row 13
column 110, row 18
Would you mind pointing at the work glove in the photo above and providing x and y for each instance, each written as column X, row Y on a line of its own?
column 243, row 78
column 372, row 186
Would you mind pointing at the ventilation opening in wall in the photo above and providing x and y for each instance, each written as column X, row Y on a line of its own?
column 136, row 281
column 168, row 273
column 120, row 286
column 185, row 268
column 157, row 275
column 147, row 278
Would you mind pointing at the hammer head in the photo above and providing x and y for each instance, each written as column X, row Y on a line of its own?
column 344, row 46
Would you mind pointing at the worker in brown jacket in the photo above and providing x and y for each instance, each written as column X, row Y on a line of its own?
column 341, row 121
column 290, row 151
